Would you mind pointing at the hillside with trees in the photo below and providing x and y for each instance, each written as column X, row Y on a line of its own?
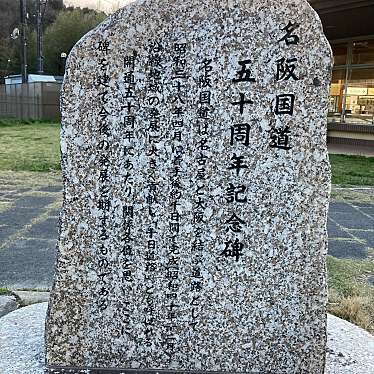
column 62, row 28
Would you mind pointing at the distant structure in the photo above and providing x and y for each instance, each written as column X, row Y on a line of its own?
column 349, row 27
column 107, row 6
column 33, row 78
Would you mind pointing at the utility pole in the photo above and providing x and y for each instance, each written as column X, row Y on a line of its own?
column 23, row 11
column 39, row 32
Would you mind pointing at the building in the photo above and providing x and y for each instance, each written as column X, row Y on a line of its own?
column 33, row 78
column 349, row 26
column 107, row 6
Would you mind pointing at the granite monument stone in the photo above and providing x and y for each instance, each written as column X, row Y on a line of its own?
column 196, row 186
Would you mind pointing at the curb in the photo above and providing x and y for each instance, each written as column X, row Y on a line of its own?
column 18, row 299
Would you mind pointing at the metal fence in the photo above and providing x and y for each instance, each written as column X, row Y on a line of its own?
column 38, row 101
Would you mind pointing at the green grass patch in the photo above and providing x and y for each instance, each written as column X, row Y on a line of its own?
column 4, row 291
column 352, row 170
column 34, row 146
column 346, row 275
column 351, row 297
column 4, row 205
column 13, row 180
column 29, row 146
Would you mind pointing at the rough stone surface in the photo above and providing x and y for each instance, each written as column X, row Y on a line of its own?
column 32, row 297
column 22, row 340
column 7, row 305
column 350, row 350
column 193, row 229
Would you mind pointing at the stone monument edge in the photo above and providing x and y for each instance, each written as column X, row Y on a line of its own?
column 91, row 370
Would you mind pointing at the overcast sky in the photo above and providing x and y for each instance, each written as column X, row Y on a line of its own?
column 104, row 5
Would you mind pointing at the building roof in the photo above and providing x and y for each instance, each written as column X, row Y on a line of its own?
column 33, row 78
column 345, row 18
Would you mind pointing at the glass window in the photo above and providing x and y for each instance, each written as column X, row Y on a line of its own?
column 336, row 94
column 363, row 52
column 340, row 54
column 352, row 101
column 359, row 103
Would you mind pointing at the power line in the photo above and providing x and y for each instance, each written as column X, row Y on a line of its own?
column 39, row 33
column 23, row 13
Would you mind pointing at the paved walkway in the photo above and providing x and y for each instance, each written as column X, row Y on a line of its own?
column 29, row 229
column 351, row 230
column 28, row 233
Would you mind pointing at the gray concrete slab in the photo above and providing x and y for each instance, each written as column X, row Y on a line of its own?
column 47, row 229
column 6, row 232
column 51, row 189
column 362, row 205
column 367, row 236
column 338, row 206
column 352, row 219
column 17, row 217
column 347, row 249
column 34, row 201
column 369, row 211
column 335, row 231
column 27, row 264
column 54, row 213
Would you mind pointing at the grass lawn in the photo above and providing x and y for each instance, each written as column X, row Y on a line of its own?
column 4, row 291
column 352, row 170
column 29, row 146
column 34, row 146
column 350, row 295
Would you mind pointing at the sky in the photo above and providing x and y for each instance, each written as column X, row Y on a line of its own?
column 107, row 6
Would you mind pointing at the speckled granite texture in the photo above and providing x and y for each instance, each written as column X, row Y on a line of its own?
column 350, row 350
column 196, row 183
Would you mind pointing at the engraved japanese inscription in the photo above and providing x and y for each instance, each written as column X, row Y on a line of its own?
column 196, row 186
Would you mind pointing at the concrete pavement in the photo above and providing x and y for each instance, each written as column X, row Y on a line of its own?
column 29, row 230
